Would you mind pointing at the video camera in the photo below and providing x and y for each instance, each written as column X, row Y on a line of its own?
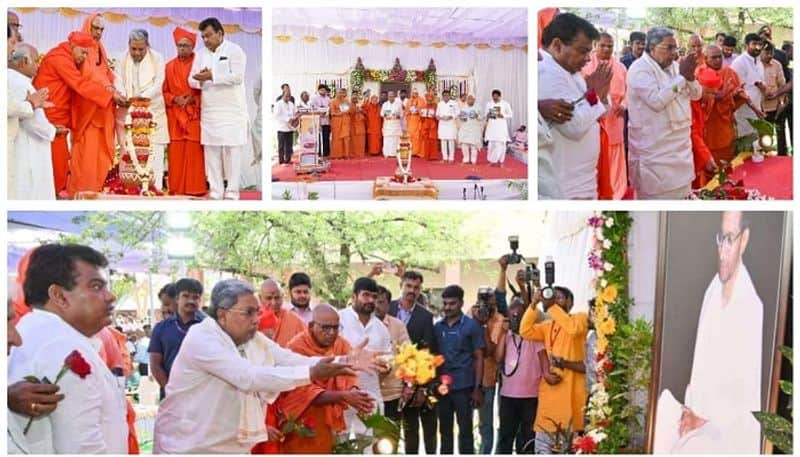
column 514, row 257
column 484, row 306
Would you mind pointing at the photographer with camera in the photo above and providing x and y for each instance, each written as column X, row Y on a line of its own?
column 564, row 337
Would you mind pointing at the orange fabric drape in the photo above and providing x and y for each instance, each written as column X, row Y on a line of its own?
column 340, row 129
column 358, row 133
column 21, row 308
column 604, row 189
column 374, row 128
column 546, row 15
column 414, row 124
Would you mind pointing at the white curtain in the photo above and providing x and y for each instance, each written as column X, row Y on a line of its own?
column 568, row 240
column 46, row 28
column 300, row 64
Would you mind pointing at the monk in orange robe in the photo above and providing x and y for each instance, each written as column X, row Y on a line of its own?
column 187, row 170
column 341, row 110
column 322, row 402
column 280, row 325
column 60, row 72
column 374, row 126
column 358, row 132
column 94, row 124
column 429, row 131
column 719, row 103
column 413, row 106
column 612, row 174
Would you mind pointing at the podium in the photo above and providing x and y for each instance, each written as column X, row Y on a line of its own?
column 311, row 160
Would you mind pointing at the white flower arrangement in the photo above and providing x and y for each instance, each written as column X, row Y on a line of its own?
column 608, row 266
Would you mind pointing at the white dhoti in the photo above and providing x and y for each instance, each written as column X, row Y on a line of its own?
column 448, row 150
column 497, row 151
column 157, row 164
column 223, row 163
column 390, row 145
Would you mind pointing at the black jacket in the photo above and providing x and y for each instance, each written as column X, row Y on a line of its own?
column 420, row 326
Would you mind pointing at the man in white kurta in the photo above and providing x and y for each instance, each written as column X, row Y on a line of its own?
column 575, row 144
column 360, row 324
column 225, row 375
column 661, row 164
column 498, row 112
column 218, row 70
column 751, row 72
column 725, row 384
column 30, row 164
column 91, row 418
column 470, row 132
column 391, row 112
column 139, row 73
column 446, row 112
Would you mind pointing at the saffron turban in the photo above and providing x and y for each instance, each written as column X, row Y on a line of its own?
column 178, row 34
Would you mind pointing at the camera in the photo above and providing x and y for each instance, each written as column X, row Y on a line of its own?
column 549, row 278
column 484, row 307
column 514, row 257
column 514, row 322
column 532, row 275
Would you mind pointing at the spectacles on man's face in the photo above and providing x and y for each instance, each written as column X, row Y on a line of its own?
column 249, row 313
column 727, row 239
column 329, row 328
column 668, row 47
column 16, row 25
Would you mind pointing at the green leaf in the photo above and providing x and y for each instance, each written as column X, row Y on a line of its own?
column 774, row 422
column 786, row 387
column 32, row 379
column 787, row 352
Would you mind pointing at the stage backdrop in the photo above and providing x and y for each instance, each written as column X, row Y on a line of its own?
column 45, row 28
column 689, row 262
column 303, row 54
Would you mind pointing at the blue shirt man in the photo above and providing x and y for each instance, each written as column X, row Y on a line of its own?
column 460, row 340
column 168, row 335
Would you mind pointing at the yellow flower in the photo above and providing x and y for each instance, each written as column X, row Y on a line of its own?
column 609, row 294
column 602, row 343
column 607, row 327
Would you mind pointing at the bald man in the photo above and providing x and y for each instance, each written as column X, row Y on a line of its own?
column 324, row 400
column 704, row 164
column 289, row 324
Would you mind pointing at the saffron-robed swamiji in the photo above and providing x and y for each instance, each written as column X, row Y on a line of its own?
column 374, row 126
column 187, row 169
column 341, row 109
column 413, row 106
column 358, row 130
column 429, row 128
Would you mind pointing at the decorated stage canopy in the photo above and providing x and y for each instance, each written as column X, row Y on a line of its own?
column 474, row 49
column 45, row 28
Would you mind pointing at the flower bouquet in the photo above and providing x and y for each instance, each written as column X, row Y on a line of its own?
column 417, row 368
column 727, row 189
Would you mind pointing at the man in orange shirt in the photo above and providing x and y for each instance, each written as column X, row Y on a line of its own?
column 358, row 132
column 93, row 123
column 612, row 175
column 374, row 126
column 60, row 72
column 187, row 170
column 340, row 125
column 719, row 104
column 562, row 395
column 413, row 106
column 322, row 401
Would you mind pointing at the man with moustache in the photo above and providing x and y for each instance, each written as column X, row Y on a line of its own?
column 225, row 375
column 751, row 72
column 729, row 50
column 636, row 41
column 391, row 386
column 168, row 334
column 67, row 286
column 300, row 295
column 359, row 325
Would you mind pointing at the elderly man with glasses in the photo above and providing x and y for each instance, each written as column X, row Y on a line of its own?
column 716, row 417
column 227, row 372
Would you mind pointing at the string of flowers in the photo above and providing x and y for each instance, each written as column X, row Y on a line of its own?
column 609, row 407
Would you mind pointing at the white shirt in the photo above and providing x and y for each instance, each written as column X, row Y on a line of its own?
column 30, row 163
column 725, row 385
column 392, row 127
column 750, row 71
column 16, row 110
column 497, row 129
column 575, row 143
column 144, row 79
column 201, row 411
column 548, row 184
column 92, row 417
column 283, row 113
column 318, row 102
column 223, row 110
column 447, row 128
column 142, row 356
column 660, row 155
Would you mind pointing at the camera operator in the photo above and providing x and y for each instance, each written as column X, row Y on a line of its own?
column 564, row 338
column 521, row 363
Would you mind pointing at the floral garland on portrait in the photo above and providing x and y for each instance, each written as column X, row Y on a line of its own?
column 359, row 75
column 622, row 352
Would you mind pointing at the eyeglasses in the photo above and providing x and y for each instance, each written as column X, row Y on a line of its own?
column 15, row 26
column 250, row 313
column 727, row 239
column 670, row 47
column 329, row 327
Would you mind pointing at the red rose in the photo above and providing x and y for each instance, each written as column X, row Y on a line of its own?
column 584, row 444
column 309, row 423
column 77, row 364
column 608, row 366
column 446, row 379
column 591, row 97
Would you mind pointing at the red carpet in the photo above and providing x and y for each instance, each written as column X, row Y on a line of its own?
column 773, row 176
column 243, row 195
column 370, row 168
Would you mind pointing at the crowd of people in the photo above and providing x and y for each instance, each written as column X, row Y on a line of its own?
column 661, row 119
column 67, row 112
column 355, row 126
column 258, row 363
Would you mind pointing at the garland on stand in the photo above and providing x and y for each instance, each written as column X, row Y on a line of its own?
column 611, row 410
